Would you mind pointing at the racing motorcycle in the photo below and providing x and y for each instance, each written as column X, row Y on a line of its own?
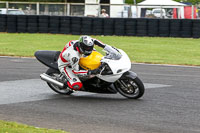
column 114, row 77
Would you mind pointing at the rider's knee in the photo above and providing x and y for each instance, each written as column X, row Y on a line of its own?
column 75, row 86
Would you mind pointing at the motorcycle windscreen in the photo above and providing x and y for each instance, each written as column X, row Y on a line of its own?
column 91, row 62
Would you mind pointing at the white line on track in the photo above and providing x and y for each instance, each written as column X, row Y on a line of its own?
column 35, row 89
column 169, row 65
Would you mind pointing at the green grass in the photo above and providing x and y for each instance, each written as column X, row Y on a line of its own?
column 12, row 127
column 183, row 51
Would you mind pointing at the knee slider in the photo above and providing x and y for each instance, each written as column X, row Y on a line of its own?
column 75, row 86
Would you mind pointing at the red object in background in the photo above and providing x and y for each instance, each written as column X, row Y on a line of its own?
column 175, row 15
column 188, row 12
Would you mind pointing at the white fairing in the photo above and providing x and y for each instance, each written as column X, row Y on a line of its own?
column 118, row 67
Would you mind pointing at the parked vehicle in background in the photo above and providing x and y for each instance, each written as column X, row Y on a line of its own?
column 148, row 12
column 11, row 11
column 159, row 13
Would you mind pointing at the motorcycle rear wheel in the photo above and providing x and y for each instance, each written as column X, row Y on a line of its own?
column 132, row 88
column 54, row 74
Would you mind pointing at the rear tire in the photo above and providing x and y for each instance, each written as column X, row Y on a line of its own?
column 132, row 88
column 54, row 73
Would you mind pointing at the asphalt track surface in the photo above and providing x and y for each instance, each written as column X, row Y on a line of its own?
column 171, row 103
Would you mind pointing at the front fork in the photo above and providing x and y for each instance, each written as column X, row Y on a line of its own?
column 128, row 74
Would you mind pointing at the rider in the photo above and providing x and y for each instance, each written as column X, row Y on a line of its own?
column 69, row 59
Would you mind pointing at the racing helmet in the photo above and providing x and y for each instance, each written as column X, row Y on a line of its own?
column 86, row 45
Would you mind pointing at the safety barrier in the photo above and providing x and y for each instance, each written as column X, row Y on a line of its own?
column 100, row 26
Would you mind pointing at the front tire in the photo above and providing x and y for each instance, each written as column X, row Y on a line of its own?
column 132, row 88
column 55, row 74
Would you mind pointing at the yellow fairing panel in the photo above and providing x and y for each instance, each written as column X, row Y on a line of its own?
column 92, row 61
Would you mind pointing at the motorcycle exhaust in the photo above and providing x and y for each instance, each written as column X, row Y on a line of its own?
column 49, row 79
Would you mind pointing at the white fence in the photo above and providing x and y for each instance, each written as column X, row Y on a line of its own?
column 67, row 9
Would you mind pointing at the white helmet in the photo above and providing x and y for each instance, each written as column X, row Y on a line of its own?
column 86, row 45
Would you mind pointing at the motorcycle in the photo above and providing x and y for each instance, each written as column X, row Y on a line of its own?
column 114, row 77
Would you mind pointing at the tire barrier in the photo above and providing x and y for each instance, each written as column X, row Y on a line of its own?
column 54, row 24
column 98, row 26
column 153, row 28
column 163, row 28
column 119, row 27
column 196, row 29
column 86, row 28
column 43, row 24
column 175, row 28
column 186, row 28
column 11, row 24
column 76, row 24
column 3, row 23
column 108, row 26
column 130, row 27
column 22, row 24
column 65, row 27
column 141, row 27
column 32, row 24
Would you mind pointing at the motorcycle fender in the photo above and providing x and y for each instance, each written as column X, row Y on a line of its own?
column 129, row 74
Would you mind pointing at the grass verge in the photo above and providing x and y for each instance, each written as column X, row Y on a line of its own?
column 12, row 127
column 182, row 51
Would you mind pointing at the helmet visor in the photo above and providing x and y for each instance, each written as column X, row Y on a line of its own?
column 87, row 50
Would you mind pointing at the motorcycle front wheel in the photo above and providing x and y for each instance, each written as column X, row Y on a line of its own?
column 55, row 74
column 132, row 88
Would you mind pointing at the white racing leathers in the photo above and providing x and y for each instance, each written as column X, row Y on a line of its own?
column 68, row 65
column 69, row 59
